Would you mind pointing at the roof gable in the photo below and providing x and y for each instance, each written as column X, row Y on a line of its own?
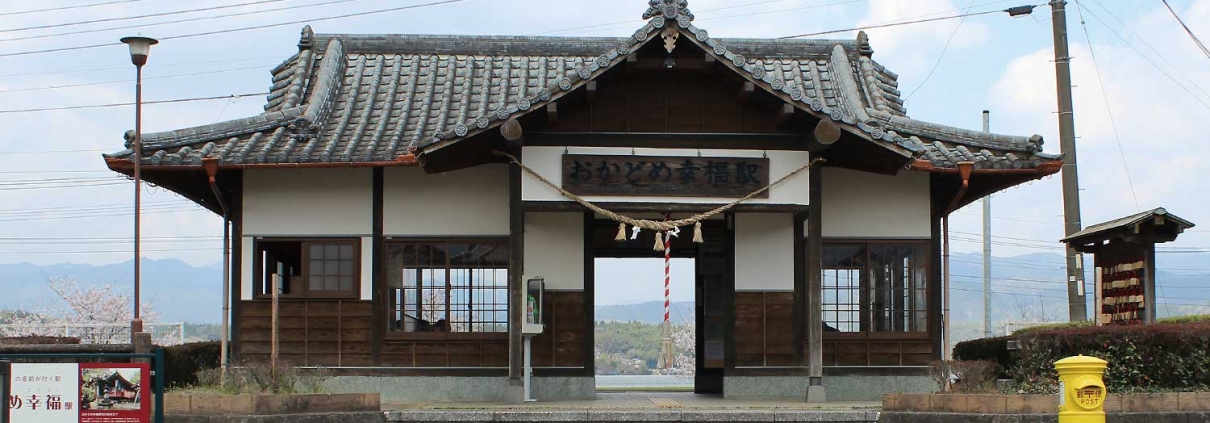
column 376, row 98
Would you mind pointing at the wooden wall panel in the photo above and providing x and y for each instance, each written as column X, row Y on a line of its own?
column 677, row 101
column 879, row 351
column 749, row 329
column 311, row 332
column 566, row 325
column 764, row 329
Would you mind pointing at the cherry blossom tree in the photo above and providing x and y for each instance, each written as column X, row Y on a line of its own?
column 101, row 314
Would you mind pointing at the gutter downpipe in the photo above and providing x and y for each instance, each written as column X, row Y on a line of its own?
column 211, row 166
column 964, row 170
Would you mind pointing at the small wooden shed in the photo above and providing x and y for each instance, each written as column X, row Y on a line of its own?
column 1124, row 262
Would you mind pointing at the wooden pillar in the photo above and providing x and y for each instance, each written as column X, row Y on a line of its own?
column 800, row 288
column 378, row 277
column 815, row 391
column 516, row 284
column 237, row 265
column 590, row 283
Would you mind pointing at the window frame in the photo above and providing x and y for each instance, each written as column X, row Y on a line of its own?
column 391, row 334
column 866, row 311
column 258, row 271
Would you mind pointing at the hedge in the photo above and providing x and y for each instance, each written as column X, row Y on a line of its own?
column 1193, row 318
column 182, row 362
column 987, row 349
column 1142, row 358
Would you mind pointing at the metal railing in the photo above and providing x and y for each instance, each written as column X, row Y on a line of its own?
column 99, row 333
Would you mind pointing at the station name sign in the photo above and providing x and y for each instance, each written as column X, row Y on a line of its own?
column 628, row 175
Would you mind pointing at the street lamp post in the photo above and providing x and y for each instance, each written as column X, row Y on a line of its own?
column 140, row 47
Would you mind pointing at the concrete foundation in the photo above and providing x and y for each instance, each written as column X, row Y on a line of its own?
column 410, row 389
column 839, row 388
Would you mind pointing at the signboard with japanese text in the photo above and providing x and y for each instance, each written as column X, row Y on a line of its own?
column 629, row 175
column 79, row 393
column 44, row 393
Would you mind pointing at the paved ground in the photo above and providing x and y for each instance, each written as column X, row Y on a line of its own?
column 644, row 401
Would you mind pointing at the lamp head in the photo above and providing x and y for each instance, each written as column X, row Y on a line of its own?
column 140, row 47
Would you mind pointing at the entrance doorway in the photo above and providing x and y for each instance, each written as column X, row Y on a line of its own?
column 628, row 337
column 628, row 309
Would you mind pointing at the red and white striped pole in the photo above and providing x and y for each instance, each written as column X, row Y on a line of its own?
column 667, row 278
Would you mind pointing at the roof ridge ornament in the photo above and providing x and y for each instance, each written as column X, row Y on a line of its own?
column 670, row 10
column 307, row 39
column 863, row 44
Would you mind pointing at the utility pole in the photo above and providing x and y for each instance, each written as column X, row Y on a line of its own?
column 987, row 249
column 1077, row 310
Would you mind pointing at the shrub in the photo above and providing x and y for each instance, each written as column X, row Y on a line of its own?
column 1141, row 358
column 1052, row 326
column 994, row 350
column 1194, row 318
column 39, row 340
column 183, row 362
column 964, row 377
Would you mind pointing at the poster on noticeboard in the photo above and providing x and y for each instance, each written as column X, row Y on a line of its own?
column 79, row 393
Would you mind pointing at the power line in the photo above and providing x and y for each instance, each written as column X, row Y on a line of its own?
column 89, row 84
column 249, row 28
column 892, row 24
column 700, row 12
column 943, row 50
column 1200, row 46
column 127, row 68
column 56, row 9
column 97, row 106
column 51, row 152
column 127, row 18
column 1148, row 59
column 1109, row 110
column 115, row 28
column 1148, row 45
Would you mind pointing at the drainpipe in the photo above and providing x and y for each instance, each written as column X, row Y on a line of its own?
column 211, row 166
column 964, row 171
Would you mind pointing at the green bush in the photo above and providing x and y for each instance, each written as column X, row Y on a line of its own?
column 1051, row 326
column 183, row 362
column 994, row 350
column 1166, row 357
column 1194, row 318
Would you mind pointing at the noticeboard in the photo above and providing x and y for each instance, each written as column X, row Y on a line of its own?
column 79, row 393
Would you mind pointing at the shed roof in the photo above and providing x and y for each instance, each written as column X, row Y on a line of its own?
column 376, row 98
column 1129, row 222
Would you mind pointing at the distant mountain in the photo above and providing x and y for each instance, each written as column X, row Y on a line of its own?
column 180, row 291
column 651, row 312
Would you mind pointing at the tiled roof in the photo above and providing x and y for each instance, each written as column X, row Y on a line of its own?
column 1130, row 221
column 372, row 98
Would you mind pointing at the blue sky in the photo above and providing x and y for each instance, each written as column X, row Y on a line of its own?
column 992, row 62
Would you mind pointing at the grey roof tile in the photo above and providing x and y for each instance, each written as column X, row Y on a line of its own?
column 365, row 98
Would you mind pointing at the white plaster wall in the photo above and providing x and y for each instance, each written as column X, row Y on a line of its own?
column 467, row 202
column 367, row 268
column 247, row 268
column 554, row 249
column 301, row 202
column 867, row 205
column 764, row 252
column 548, row 162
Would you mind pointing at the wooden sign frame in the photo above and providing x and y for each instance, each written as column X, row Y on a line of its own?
column 664, row 176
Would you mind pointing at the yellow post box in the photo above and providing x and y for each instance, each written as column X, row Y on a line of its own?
column 1081, row 389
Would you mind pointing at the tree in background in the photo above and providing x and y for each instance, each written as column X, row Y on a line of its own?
column 96, row 314
column 684, row 338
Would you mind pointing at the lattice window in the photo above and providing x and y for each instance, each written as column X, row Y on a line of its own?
column 875, row 287
column 448, row 286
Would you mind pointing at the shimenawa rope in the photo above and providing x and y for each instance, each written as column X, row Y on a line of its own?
column 658, row 226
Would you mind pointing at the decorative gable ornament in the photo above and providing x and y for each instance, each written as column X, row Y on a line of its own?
column 670, row 10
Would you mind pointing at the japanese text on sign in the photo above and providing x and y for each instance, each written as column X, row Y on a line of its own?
column 44, row 392
column 726, row 177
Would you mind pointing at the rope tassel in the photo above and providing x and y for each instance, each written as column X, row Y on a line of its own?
column 659, row 242
column 621, row 233
column 697, row 233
